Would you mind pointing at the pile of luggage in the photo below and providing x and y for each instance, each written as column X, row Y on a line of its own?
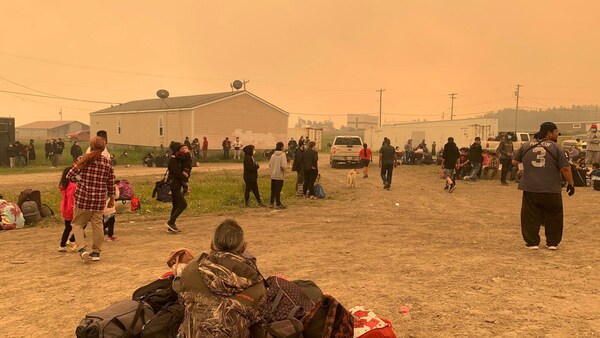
column 28, row 210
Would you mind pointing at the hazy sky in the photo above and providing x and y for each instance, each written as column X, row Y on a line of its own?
column 311, row 58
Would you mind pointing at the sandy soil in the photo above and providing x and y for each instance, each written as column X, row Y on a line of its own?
column 456, row 260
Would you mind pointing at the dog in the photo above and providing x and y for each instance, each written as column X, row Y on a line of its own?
column 351, row 178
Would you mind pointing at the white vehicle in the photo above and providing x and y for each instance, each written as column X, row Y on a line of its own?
column 345, row 149
column 517, row 139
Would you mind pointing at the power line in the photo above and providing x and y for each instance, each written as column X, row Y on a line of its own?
column 20, row 85
column 58, row 97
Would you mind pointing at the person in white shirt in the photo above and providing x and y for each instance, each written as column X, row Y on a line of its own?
column 237, row 149
column 104, row 135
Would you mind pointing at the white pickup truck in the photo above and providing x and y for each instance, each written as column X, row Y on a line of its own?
column 517, row 138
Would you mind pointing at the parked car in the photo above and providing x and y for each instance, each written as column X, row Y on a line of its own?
column 345, row 149
column 517, row 138
column 567, row 144
column 80, row 135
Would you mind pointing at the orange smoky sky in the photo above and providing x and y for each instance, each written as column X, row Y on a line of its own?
column 314, row 59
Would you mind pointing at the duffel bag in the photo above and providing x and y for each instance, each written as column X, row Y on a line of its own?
column 121, row 319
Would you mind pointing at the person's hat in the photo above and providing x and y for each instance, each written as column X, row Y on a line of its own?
column 175, row 146
column 594, row 126
column 547, row 127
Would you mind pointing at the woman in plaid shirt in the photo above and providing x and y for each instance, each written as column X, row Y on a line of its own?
column 94, row 176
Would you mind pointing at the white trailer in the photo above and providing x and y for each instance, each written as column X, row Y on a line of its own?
column 463, row 131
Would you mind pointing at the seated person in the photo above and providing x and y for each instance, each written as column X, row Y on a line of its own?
column 222, row 291
column 492, row 166
column 149, row 159
column 574, row 153
column 595, row 176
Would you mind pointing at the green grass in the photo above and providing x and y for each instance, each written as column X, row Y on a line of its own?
column 212, row 192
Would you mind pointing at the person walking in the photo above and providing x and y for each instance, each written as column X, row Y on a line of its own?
column 476, row 158
column 94, row 176
column 310, row 167
column 251, row 176
column 387, row 159
column 76, row 151
column 505, row 151
column 277, row 165
column 237, row 148
column 67, row 203
column 297, row 167
column 204, row 148
column 593, row 146
column 365, row 159
column 543, row 163
column 178, row 178
column 450, row 155
column 11, row 152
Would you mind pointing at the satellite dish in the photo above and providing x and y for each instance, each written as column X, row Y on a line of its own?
column 237, row 84
column 163, row 94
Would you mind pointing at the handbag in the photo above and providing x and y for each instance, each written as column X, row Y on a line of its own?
column 162, row 189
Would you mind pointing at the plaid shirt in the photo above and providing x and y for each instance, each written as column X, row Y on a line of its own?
column 94, row 183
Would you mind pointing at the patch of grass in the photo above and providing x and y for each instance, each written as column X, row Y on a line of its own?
column 213, row 192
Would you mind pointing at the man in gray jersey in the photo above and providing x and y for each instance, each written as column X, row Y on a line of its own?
column 543, row 163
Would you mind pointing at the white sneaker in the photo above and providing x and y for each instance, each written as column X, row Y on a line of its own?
column 62, row 249
column 533, row 247
column 552, row 247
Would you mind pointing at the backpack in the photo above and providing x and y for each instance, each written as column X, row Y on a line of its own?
column 157, row 294
column 121, row 319
column 319, row 192
column 284, row 300
column 31, row 212
column 125, row 190
column 310, row 289
column 160, row 295
column 30, row 195
column 162, row 190
column 328, row 318
column 165, row 323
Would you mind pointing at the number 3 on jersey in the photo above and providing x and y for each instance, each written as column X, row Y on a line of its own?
column 540, row 158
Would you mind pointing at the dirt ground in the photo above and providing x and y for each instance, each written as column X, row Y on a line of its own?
column 456, row 260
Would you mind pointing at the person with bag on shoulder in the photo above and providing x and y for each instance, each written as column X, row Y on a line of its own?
column 310, row 167
column 178, row 178
column 223, row 290
column 94, row 176
column 544, row 165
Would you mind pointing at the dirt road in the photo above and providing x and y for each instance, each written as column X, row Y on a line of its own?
column 456, row 260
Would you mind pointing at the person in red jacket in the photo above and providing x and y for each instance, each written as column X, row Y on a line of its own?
column 365, row 158
column 67, row 202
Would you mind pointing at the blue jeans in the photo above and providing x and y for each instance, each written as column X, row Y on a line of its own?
column 475, row 171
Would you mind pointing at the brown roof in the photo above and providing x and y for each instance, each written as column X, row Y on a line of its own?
column 181, row 102
column 45, row 124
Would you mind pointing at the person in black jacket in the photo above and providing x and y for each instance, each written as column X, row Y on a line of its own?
column 178, row 177
column 310, row 160
column 451, row 156
column 476, row 158
column 251, row 176
column 76, row 151
column 297, row 166
column 48, row 149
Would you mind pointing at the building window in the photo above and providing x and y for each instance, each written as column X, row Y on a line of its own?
column 161, row 126
column 577, row 126
column 118, row 126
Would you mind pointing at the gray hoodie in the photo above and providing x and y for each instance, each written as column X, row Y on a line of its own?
column 277, row 165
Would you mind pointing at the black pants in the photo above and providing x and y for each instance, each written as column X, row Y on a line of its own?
column 251, row 186
column 506, row 165
column 226, row 153
column 299, row 178
column 542, row 209
column 109, row 225
column 179, row 205
column 386, row 173
column 65, row 234
column 310, row 177
column 276, row 186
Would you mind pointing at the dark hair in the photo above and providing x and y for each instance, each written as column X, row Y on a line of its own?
column 450, row 139
column 311, row 144
column 596, row 165
column 229, row 237
column 279, row 146
column 365, row 147
column 478, row 138
column 103, row 134
column 63, row 179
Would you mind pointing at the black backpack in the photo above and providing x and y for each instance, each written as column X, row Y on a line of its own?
column 164, row 301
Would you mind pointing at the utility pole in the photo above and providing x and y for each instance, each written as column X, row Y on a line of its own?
column 452, row 96
column 60, row 113
column 443, row 115
column 380, row 103
column 517, row 107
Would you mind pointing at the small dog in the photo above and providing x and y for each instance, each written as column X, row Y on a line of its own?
column 351, row 178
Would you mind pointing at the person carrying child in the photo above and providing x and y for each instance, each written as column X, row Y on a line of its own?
column 109, row 216
column 67, row 202
column 186, row 167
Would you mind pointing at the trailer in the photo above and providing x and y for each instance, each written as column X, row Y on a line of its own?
column 463, row 131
